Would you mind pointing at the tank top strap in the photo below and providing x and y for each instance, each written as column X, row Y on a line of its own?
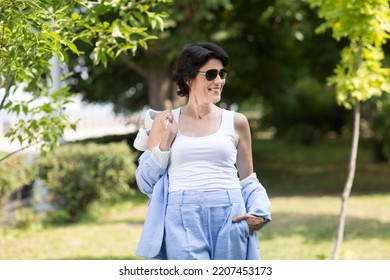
column 228, row 121
column 176, row 114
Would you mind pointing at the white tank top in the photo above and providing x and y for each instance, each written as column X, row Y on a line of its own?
column 204, row 163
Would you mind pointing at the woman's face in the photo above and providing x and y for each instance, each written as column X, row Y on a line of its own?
column 206, row 91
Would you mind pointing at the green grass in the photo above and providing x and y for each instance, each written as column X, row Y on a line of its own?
column 304, row 184
column 303, row 228
column 110, row 232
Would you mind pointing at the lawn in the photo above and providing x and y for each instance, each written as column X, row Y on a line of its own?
column 303, row 228
column 304, row 184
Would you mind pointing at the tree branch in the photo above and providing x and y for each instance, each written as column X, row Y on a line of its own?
column 132, row 65
column 2, row 35
column 17, row 151
column 7, row 91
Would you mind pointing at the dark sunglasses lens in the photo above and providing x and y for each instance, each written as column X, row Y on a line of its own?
column 211, row 74
column 223, row 73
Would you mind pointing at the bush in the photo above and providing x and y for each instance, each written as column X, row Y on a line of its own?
column 81, row 174
column 14, row 173
column 302, row 133
column 309, row 107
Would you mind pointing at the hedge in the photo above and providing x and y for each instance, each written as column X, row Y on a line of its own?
column 80, row 174
column 14, row 173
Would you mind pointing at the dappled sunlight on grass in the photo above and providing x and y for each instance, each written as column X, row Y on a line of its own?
column 111, row 231
column 305, row 228
column 76, row 242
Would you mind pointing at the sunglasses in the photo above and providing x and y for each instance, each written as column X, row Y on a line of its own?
column 212, row 74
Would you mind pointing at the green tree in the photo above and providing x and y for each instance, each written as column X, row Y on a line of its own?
column 31, row 32
column 278, row 61
column 132, row 81
column 272, row 48
column 360, row 75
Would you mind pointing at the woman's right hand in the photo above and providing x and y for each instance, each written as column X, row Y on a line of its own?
column 163, row 132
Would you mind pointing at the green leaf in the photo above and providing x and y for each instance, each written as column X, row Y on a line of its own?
column 47, row 108
column 153, row 23
column 60, row 56
column 3, row 17
column 55, row 36
column 20, row 139
column 25, row 109
column 102, row 9
column 160, row 23
column 142, row 43
column 7, row 105
column 73, row 126
column 75, row 16
column 72, row 47
column 34, row 28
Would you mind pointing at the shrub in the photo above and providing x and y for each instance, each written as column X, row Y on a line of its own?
column 14, row 173
column 302, row 133
column 80, row 174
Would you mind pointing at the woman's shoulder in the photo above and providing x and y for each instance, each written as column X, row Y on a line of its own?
column 240, row 120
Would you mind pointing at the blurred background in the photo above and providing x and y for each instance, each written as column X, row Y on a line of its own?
column 80, row 200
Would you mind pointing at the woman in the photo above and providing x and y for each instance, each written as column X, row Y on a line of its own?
column 200, row 208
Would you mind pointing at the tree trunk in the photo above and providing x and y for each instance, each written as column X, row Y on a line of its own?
column 349, row 182
column 159, row 90
column 158, row 82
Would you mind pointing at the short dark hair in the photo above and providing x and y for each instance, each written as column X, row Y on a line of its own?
column 192, row 58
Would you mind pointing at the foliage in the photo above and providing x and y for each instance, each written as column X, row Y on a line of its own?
column 14, row 173
column 81, row 174
column 384, row 123
column 131, row 82
column 310, row 111
column 265, row 47
column 271, row 49
column 29, row 36
column 31, row 32
column 360, row 75
column 366, row 24
column 129, row 29
column 376, row 113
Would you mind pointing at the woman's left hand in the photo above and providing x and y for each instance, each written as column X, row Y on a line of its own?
column 254, row 222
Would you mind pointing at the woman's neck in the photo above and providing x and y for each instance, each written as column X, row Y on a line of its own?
column 199, row 111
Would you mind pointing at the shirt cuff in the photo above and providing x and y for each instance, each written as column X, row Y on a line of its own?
column 250, row 178
column 161, row 158
column 266, row 221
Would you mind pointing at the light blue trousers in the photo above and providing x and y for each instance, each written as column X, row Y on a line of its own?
column 198, row 226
